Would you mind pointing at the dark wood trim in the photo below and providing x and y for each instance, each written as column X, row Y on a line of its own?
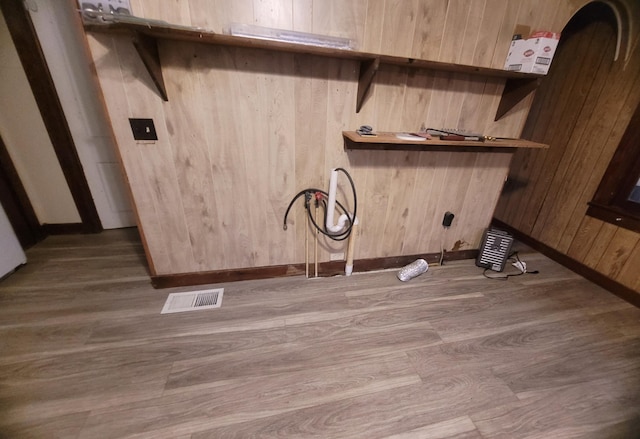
column 622, row 291
column 326, row 269
column 610, row 202
column 16, row 203
column 35, row 66
column 64, row 229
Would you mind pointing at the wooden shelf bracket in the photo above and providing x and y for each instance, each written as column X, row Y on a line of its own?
column 515, row 90
column 147, row 48
column 368, row 70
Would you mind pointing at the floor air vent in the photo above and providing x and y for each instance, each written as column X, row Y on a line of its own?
column 193, row 300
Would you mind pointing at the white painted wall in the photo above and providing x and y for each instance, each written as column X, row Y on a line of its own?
column 28, row 143
column 12, row 254
column 64, row 47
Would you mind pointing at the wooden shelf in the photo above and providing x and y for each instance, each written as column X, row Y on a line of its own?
column 146, row 35
column 389, row 142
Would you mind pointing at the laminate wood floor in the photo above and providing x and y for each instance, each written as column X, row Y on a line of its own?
column 85, row 353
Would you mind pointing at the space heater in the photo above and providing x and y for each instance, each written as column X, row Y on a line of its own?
column 495, row 249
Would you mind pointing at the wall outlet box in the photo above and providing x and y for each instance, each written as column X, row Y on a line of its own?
column 534, row 54
column 448, row 219
column 143, row 129
column 336, row 256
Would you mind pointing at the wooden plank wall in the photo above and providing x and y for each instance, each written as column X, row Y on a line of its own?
column 582, row 111
column 245, row 130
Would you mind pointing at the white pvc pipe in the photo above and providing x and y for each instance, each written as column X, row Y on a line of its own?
column 331, row 206
column 348, row 268
column 342, row 221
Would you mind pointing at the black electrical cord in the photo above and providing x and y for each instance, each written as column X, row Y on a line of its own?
column 308, row 193
column 512, row 257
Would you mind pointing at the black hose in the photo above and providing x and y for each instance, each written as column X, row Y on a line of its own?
column 309, row 192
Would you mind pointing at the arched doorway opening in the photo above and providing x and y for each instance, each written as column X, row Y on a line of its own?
column 560, row 116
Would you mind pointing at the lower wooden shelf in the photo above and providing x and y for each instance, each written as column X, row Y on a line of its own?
column 389, row 142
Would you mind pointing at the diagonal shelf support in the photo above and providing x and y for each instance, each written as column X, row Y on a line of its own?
column 515, row 90
column 368, row 70
column 147, row 48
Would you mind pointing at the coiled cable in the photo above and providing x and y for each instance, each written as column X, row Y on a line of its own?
column 321, row 197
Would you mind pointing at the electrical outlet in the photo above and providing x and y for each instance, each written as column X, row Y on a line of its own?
column 336, row 257
column 448, row 219
column 143, row 129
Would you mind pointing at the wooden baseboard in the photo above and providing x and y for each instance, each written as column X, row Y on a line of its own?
column 325, row 269
column 622, row 291
column 64, row 229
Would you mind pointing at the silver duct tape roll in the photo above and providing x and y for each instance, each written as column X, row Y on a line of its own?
column 416, row 268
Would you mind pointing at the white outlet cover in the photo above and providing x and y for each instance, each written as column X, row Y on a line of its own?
column 336, row 257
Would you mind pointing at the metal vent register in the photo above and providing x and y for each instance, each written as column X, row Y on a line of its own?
column 193, row 300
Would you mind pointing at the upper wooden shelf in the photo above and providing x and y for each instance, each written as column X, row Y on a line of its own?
column 389, row 142
column 145, row 38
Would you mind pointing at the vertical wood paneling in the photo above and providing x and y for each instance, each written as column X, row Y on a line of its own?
column 453, row 36
column 600, row 244
column 157, row 162
column 451, row 198
column 602, row 95
column 245, row 130
column 373, row 26
column 190, row 152
column 430, row 20
column 402, row 180
column 227, row 150
column 438, row 105
column 584, row 238
column 489, row 170
column 509, row 12
column 275, row 163
column 602, row 155
column 472, row 31
column 341, row 92
column 103, row 49
column 398, row 26
column 629, row 273
column 488, row 36
column 617, row 252
column 470, row 101
column 582, row 110
column 424, row 205
column 273, row 13
column 171, row 11
column 310, row 98
column 552, row 120
column 302, row 15
column 218, row 15
column 340, row 19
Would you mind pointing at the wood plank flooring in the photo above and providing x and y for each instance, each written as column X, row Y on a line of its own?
column 85, row 353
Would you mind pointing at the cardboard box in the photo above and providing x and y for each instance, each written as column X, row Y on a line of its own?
column 534, row 54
